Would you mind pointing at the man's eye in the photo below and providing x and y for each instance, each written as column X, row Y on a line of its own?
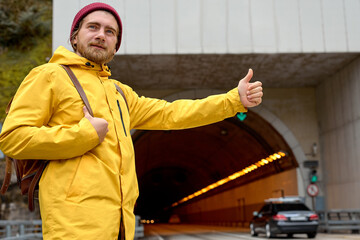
column 111, row 32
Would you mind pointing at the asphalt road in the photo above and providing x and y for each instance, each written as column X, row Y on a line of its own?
column 197, row 232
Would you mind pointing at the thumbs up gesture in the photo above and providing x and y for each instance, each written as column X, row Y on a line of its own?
column 250, row 93
column 100, row 124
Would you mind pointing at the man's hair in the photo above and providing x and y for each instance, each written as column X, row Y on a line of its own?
column 74, row 34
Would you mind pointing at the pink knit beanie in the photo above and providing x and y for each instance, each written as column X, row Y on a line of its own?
column 94, row 7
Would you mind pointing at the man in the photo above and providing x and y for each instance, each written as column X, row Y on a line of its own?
column 89, row 188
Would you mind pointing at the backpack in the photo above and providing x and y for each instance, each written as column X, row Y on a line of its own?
column 28, row 172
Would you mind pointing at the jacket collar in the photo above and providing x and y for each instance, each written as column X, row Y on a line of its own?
column 65, row 57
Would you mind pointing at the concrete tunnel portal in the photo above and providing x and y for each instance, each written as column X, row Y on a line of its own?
column 174, row 164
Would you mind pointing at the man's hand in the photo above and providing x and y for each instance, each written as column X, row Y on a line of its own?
column 100, row 125
column 250, row 93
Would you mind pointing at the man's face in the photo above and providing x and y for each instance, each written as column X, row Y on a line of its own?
column 97, row 37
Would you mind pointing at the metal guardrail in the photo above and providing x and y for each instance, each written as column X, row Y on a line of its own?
column 139, row 228
column 339, row 220
column 20, row 229
column 31, row 229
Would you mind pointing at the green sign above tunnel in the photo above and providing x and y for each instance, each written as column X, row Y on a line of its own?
column 241, row 116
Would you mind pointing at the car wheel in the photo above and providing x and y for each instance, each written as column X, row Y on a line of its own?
column 268, row 231
column 252, row 230
column 311, row 235
column 290, row 235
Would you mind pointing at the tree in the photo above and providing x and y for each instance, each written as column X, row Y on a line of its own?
column 25, row 42
column 23, row 22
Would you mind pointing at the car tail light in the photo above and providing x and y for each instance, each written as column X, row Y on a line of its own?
column 314, row 217
column 279, row 217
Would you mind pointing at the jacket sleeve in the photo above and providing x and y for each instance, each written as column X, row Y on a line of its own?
column 155, row 114
column 26, row 133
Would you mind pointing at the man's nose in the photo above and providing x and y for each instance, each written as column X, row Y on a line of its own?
column 101, row 35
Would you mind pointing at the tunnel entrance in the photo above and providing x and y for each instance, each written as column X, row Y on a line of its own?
column 173, row 164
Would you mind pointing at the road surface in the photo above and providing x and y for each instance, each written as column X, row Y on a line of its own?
column 198, row 232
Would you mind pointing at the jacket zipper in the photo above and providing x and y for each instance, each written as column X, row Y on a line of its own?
column 121, row 116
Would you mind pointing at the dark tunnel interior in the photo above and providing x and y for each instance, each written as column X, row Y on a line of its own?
column 173, row 164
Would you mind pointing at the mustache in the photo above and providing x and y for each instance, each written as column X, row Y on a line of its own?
column 98, row 44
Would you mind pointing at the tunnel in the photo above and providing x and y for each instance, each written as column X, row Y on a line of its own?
column 173, row 164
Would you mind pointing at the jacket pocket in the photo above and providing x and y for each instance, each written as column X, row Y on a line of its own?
column 121, row 117
column 74, row 190
column 85, row 180
column 92, row 181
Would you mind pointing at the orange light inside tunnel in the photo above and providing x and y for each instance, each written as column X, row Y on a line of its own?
column 248, row 169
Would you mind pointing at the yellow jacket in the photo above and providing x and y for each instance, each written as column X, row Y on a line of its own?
column 88, row 185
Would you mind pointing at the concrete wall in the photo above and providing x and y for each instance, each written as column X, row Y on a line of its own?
column 296, row 108
column 226, row 26
column 339, row 120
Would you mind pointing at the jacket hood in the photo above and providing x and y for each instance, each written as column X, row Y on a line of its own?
column 63, row 56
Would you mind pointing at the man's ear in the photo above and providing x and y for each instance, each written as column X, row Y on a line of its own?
column 75, row 40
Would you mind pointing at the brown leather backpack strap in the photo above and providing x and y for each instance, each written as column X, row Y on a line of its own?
column 78, row 88
column 122, row 94
column 17, row 171
column 7, row 178
column 8, row 106
column 34, row 183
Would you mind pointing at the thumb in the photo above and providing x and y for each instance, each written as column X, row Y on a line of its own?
column 86, row 112
column 248, row 76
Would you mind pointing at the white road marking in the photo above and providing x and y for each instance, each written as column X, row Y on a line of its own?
column 155, row 235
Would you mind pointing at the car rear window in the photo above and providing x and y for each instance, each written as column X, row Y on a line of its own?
column 289, row 207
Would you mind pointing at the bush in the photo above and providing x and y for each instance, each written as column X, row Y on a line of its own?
column 25, row 42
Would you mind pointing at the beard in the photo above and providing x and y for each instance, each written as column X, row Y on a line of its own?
column 97, row 55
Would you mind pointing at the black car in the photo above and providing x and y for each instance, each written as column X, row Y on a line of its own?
column 284, row 215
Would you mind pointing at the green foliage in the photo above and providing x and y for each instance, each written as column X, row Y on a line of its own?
column 15, row 65
column 22, row 22
column 25, row 42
